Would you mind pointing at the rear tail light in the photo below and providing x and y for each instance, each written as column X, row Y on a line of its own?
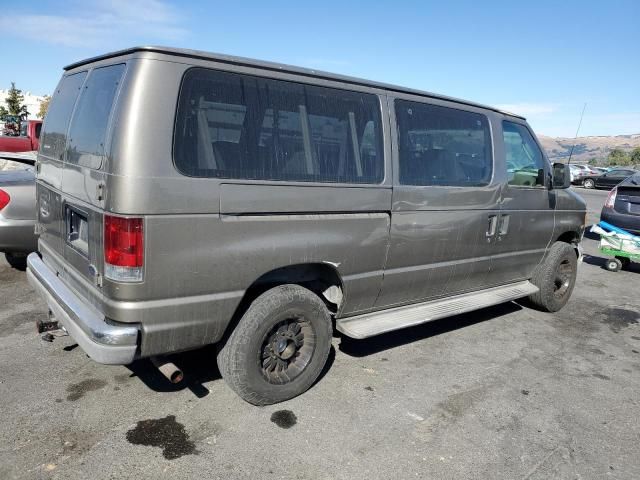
column 123, row 248
column 611, row 199
column 4, row 199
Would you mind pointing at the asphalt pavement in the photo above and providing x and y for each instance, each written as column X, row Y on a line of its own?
column 503, row 393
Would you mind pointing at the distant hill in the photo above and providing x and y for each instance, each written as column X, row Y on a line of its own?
column 587, row 148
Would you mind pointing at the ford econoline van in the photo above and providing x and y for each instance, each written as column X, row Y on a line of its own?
column 187, row 199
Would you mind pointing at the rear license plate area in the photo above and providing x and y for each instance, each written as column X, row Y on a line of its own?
column 77, row 230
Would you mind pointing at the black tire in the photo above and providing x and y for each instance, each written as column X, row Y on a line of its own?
column 555, row 278
column 589, row 183
column 624, row 262
column 255, row 362
column 19, row 262
column 613, row 265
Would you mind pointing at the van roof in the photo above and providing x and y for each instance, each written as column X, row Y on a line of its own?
column 198, row 54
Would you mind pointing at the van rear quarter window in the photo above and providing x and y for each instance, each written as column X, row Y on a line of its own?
column 54, row 135
column 247, row 127
column 88, row 129
column 442, row 146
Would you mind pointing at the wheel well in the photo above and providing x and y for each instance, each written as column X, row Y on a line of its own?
column 572, row 238
column 322, row 279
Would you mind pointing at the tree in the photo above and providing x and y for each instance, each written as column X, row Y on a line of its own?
column 44, row 106
column 617, row 156
column 593, row 161
column 635, row 156
column 14, row 102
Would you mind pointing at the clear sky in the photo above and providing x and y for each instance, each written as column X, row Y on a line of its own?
column 543, row 59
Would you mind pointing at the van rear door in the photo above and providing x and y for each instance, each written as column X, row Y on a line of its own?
column 71, row 180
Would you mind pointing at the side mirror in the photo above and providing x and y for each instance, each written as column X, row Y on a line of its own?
column 561, row 176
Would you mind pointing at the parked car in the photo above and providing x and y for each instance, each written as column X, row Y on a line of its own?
column 17, row 211
column 27, row 141
column 263, row 206
column 622, row 207
column 607, row 180
column 578, row 172
column 598, row 170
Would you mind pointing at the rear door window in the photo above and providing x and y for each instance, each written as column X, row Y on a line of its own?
column 442, row 146
column 54, row 135
column 525, row 162
column 247, row 127
column 88, row 130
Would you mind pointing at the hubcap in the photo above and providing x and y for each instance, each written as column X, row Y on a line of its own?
column 563, row 279
column 287, row 350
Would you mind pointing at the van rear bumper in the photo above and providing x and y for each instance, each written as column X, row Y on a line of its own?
column 113, row 344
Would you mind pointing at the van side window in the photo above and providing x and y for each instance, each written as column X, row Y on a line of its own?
column 525, row 162
column 54, row 136
column 241, row 126
column 442, row 146
column 88, row 129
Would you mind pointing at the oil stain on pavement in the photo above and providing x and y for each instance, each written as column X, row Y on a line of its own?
column 165, row 433
column 284, row 418
column 77, row 390
column 619, row 318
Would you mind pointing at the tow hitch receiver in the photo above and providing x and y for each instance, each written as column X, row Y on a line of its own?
column 51, row 328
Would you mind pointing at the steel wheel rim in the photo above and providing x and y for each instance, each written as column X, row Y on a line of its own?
column 563, row 279
column 287, row 350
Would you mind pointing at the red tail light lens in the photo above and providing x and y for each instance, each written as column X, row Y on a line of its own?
column 123, row 248
column 4, row 199
column 611, row 199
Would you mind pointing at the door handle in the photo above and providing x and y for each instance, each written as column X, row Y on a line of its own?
column 493, row 222
column 504, row 225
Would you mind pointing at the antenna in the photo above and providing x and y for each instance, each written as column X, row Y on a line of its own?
column 577, row 130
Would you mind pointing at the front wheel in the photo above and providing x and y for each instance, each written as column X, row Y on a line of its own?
column 589, row 183
column 279, row 347
column 555, row 278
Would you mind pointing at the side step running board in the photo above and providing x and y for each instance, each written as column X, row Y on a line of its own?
column 375, row 323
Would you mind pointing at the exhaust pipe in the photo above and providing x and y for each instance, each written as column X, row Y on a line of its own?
column 168, row 369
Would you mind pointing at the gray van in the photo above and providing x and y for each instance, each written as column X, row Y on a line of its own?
column 186, row 199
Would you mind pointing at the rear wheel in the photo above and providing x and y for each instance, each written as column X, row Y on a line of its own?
column 624, row 262
column 279, row 347
column 613, row 264
column 589, row 183
column 555, row 278
column 17, row 261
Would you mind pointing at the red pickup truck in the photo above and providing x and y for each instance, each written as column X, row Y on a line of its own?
column 28, row 140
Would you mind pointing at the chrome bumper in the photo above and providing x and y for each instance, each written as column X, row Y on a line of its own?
column 104, row 342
